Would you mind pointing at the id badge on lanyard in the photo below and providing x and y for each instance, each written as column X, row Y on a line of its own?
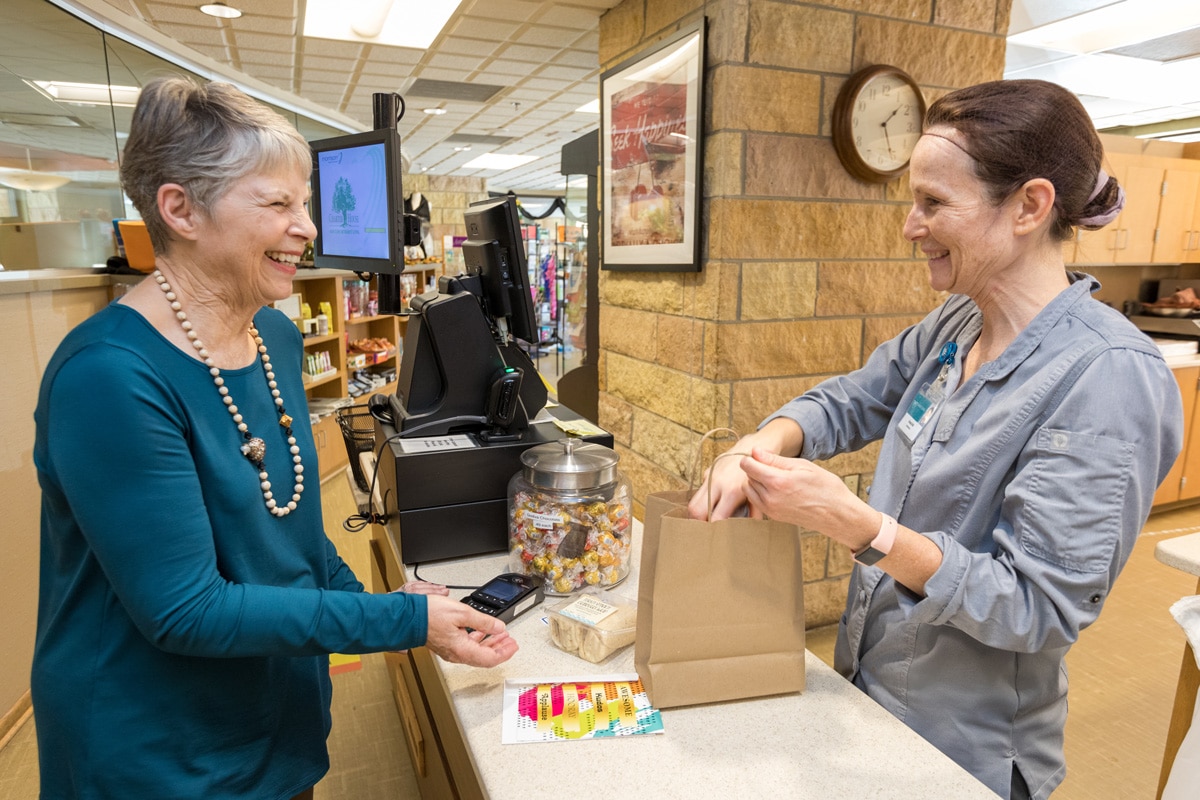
column 925, row 405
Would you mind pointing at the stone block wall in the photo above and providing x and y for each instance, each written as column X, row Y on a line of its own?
column 805, row 270
column 448, row 197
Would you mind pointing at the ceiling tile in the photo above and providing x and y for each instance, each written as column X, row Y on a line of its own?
column 462, row 45
column 529, row 53
column 193, row 35
column 265, row 57
column 264, row 41
column 465, row 63
column 485, row 29
column 257, row 23
column 580, row 19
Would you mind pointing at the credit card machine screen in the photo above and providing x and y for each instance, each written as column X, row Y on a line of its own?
column 507, row 596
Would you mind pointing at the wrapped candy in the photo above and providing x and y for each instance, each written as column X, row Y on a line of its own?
column 570, row 517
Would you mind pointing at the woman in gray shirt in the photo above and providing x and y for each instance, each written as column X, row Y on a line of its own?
column 1025, row 428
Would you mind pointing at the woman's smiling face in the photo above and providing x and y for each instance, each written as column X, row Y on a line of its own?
column 255, row 234
column 953, row 219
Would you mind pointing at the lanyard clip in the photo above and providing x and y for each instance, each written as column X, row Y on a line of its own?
column 947, row 355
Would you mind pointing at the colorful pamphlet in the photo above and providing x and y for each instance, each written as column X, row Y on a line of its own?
column 566, row 709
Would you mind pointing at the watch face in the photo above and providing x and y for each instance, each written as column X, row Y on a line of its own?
column 886, row 122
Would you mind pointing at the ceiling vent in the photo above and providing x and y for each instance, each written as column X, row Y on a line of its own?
column 477, row 138
column 453, row 90
column 1175, row 47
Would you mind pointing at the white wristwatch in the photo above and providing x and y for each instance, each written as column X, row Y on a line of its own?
column 881, row 545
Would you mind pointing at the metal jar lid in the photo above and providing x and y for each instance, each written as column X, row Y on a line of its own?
column 570, row 464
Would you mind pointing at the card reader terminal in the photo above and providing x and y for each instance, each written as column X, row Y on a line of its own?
column 507, row 596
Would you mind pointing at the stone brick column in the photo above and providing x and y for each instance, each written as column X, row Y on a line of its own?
column 805, row 269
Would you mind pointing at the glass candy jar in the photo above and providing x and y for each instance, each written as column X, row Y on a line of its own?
column 570, row 519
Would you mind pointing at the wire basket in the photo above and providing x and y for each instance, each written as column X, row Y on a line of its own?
column 358, row 431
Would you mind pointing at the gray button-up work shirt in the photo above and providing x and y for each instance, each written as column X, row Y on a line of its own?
column 1037, row 479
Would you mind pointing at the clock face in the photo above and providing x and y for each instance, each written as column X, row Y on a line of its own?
column 886, row 122
column 876, row 123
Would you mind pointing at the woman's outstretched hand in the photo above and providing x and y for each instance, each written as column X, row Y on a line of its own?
column 462, row 635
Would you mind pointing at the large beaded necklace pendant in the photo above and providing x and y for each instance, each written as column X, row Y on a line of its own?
column 254, row 448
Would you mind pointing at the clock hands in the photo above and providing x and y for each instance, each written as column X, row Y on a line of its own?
column 887, row 139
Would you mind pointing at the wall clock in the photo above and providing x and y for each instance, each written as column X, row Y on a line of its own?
column 876, row 122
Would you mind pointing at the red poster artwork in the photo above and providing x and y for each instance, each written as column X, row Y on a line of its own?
column 648, row 157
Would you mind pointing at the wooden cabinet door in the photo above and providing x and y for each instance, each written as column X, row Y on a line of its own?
column 1137, row 223
column 331, row 449
column 1176, row 215
column 1186, row 469
column 1129, row 239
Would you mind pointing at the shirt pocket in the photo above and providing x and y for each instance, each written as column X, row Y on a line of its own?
column 1076, row 493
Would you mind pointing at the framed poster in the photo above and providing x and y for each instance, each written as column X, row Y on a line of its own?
column 650, row 156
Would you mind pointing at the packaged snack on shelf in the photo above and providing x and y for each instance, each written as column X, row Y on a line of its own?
column 593, row 624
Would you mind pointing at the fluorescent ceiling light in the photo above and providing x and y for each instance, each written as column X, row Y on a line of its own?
column 220, row 10
column 498, row 161
column 1116, row 25
column 591, row 107
column 386, row 22
column 32, row 181
column 435, row 112
column 87, row 94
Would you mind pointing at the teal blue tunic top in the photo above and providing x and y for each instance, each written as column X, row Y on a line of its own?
column 183, row 630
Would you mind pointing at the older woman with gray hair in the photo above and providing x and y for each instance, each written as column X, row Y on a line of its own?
column 189, row 596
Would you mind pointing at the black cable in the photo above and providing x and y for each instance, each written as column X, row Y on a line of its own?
column 417, row 576
column 356, row 522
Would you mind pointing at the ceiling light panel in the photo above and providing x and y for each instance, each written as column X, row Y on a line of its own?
column 1112, row 26
column 383, row 22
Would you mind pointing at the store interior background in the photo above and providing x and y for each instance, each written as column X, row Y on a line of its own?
column 804, row 270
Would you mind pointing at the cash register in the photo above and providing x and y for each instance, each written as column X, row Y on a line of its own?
column 469, row 400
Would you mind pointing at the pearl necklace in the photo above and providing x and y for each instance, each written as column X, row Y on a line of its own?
column 255, row 448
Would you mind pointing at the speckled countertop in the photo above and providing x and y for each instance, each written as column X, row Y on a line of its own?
column 830, row 741
column 1182, row 553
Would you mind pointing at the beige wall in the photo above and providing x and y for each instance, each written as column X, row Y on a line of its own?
column 35, row 323
column 805, row 270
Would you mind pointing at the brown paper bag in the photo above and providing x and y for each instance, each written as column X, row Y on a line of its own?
column 720, row 606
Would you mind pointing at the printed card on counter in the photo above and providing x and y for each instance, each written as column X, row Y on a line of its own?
column 567, row 709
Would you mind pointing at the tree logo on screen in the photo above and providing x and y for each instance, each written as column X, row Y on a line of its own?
column 343, row 199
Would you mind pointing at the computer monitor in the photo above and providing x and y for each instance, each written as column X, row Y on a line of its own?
column 494, row 251
column 358, row 202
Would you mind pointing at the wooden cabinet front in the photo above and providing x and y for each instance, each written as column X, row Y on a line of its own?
column 1130, row 238
column 1175, row 240
column 331, row 449
column 1186, row 469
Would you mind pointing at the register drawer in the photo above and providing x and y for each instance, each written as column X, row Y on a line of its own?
column 452, row 531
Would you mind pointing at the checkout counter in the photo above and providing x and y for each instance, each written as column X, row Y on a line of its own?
column 829, row 742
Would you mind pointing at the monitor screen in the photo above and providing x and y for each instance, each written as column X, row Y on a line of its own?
column 495, row 251
column 357, row 202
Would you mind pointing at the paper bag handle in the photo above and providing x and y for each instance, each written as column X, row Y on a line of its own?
column 696, row 465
